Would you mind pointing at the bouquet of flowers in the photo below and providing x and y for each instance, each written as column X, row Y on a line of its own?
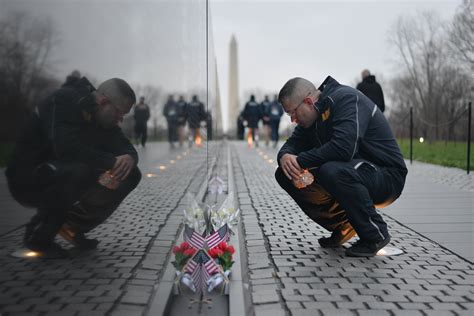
column 205, row 258
column 194, row 215
column 226, row 214
column 182, row 253
column 223, row 254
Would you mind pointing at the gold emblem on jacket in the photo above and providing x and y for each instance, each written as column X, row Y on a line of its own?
column 325, row 115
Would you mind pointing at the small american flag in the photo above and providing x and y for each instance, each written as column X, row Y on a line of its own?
column 193, row 238
column 222, row 234
column 201, row 267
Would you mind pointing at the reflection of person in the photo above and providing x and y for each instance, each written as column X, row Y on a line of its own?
column 240, row 127
column 346, row 142
column 252, row 115
column 72, row 78
column 171, row 112
column 182, row 110
column 371, row 89
column 141, row 114
column 264, row 111
column 275, row 111
column 196, row 114
column 70, row 140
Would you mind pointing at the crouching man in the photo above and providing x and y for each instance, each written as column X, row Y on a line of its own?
column 344, row 140
column 73, row 163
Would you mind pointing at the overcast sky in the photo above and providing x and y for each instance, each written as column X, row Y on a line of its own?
column 278, row 40
column 163, row 42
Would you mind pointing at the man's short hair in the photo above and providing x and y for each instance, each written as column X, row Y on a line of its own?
column 296, row 88
column 118, row 91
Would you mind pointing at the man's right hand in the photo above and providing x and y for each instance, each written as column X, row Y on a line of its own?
column 290, row 166
column 123, row 165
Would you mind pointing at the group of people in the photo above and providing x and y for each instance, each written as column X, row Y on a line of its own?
column 178, row 113
column 75, row 166
column 269, row 112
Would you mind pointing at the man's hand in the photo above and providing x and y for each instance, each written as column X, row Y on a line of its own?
column 290, row 166
column 123, row 166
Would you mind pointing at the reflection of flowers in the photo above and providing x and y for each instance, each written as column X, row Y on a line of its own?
column 223, row 253
column 182, row 255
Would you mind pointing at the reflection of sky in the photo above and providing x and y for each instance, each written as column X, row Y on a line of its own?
column 160, row 43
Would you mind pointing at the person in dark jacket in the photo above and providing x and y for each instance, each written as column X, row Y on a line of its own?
column 371, row 89
column 71, row 142
column 252, row 114
column 141, row 114
column 344, row 140
column 72, row 78
column 195, row 114
column 275, row 112
column 240, row 126
column 171, row 113
column 264, row 112
column 182, row 113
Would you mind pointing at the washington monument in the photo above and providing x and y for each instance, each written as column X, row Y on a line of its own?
column 233, row 86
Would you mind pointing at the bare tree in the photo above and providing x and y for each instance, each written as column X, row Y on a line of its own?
column 25, row 46
column 421, row 45
column 462, row 33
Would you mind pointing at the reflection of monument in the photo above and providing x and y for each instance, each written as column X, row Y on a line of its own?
column 233, row 87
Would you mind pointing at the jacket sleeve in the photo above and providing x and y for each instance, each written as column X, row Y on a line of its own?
column 295, row 144
column 120, row 145
column 66, row 125
column 348, row 124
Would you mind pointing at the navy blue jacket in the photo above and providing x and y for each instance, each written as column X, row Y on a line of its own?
column 252, row 114
column 350, row 127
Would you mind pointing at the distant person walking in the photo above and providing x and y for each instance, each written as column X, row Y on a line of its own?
column 171, row 113
column 371, row 89
column 182, row 116
column 264, row 110
column 275, row 111
column 141, row 114
column 72, row 78
column 195, row 114
column 240, row 126
column 252, row 114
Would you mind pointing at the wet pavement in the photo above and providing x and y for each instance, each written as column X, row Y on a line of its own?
column 282, row 270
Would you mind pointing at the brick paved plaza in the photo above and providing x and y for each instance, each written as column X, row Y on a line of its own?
column 282, row 270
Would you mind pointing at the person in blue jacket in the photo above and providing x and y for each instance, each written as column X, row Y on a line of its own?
column 275, row 112
column 252, row 114
column 344, row 140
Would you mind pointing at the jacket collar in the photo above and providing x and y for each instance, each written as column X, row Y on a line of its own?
column 329, row 85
